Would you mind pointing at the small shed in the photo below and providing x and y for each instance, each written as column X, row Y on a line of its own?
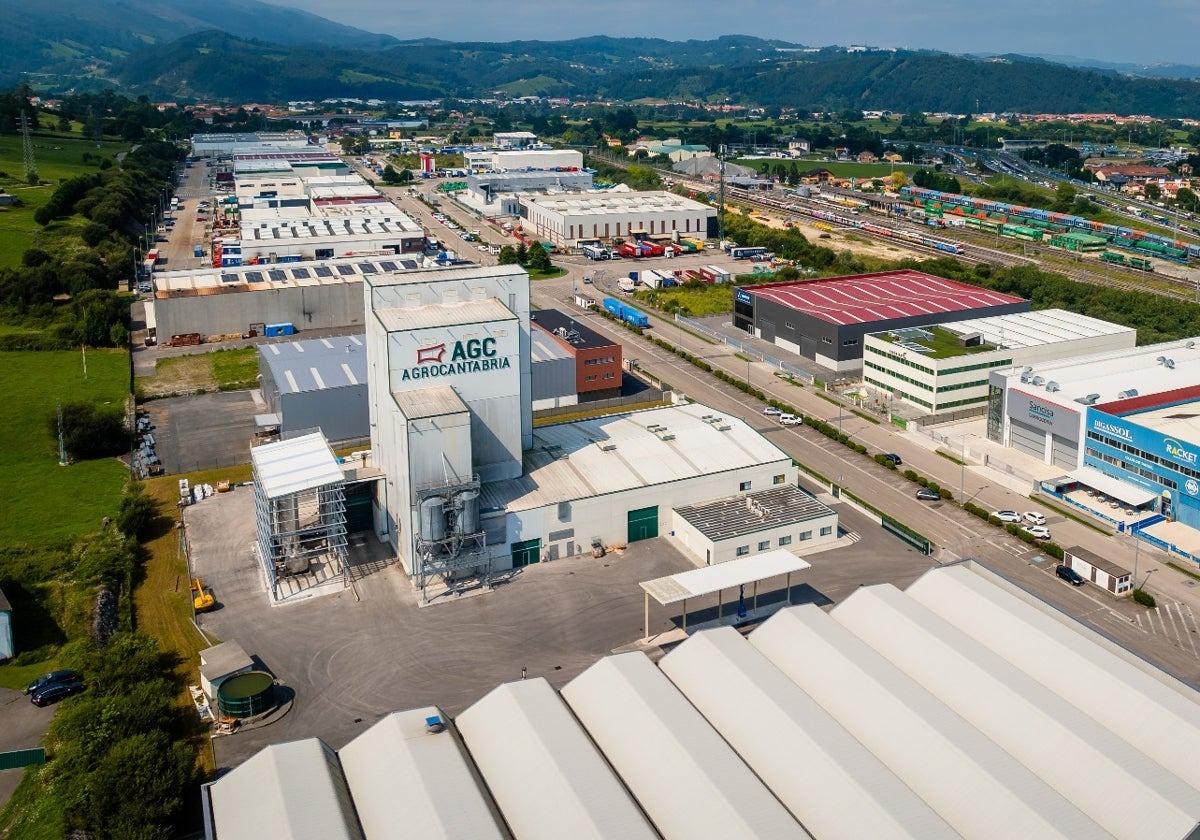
column 6, row 637
column 1104, row 573
column 219, row 663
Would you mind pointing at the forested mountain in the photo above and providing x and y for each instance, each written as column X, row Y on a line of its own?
column 52, row 39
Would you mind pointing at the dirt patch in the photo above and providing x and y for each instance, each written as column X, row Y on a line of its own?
column 179, row 375
column 843, row 240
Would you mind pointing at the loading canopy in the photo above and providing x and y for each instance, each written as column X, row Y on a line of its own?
column 705, row 581
column 1109, row 486
column 715, row 579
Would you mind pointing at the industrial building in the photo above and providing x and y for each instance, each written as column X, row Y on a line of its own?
column 487, row 186
column 553, row 366
column 383, row 231
column 863, row 721
column 607, row 214
column 1120, row 424
column 514, row 139
column 471, row 487
column 227, row 145
column 827, row 320
column 565, row 159
column 311, row 295
column 320, row 384
column 597, row 360
column 942, row 368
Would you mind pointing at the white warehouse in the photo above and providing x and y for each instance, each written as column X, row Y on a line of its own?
column 471, row 487
column 606, row 214
column 537, row 159
column 863, row 721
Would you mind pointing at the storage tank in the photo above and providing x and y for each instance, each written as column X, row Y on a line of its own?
column 468, row 520
column 433, row 519
column 246, row 695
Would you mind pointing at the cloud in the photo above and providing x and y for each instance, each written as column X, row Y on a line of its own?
column 1059, row 27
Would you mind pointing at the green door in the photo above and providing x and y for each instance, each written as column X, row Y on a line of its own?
column 526, row 552
column 643, row 524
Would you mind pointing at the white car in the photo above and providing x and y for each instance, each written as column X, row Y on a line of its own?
column 790, row 420
column 1007, row 515
column 770, row 411
column 1034, row 518
column 1040, row 532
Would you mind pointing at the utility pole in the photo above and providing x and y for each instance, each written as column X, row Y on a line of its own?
column 31, row 173
column 62, row 446
column 721, row 201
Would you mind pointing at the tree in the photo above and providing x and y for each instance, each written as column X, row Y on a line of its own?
column 1153, row 191
column 522, row 253
column 136, row 512
column 139, row 789
column 507, row 256
column 1187, row 199
column 899, row 179
column 404, row 176
column 539, row 258
column 91, row 430
column 391, row 176
column 1064, row 197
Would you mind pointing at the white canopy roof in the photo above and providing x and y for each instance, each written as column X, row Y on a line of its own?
column 709, row 579
column 1119, row 490
column 290, row 466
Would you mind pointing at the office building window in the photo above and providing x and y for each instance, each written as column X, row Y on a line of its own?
column 764, row 545
column 778, row 479
column 786, row 539
column 743, row 550
column 827, row 530
column 744, row 486
column 805, row 535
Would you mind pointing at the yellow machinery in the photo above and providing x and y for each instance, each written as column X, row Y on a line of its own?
column 202, row 599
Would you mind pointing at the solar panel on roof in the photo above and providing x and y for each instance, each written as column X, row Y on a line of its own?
column 300, row 273
column 276, row 274
column 323, row 271
column 228, row 277
column 388, row 266
column 346, row 270
column 254, row 276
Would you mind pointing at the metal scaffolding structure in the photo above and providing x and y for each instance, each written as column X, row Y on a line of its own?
column 450, row 538
column 300, row 523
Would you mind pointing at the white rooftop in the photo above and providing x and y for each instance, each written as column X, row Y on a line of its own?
column 382, row 225
column 271, row 276
column 403, row 318
column 709, row 579
column 1111, row 374
column 293, row 465
column 620, row 452
column 1180, row 420
column 862, row 722
column 1031, row 329
column 603, row 202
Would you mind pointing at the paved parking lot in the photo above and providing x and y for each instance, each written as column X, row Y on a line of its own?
column 353, row 656
column 205, row 431
column 22, row 725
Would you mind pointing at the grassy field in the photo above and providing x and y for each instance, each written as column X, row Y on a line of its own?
column 840, row 169
column 41, row 501
column 220, row 370
column 700, row 301
column 535, row 274
column 58, row 156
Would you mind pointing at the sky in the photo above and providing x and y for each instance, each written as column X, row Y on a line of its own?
column 1147, row 31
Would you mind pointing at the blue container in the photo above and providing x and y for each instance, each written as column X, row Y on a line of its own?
column 197, row 251
column 273, row 330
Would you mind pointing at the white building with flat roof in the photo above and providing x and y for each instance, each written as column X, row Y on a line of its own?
column 606, row 214
column 537, row 159
column 944, row 368
column 514, row 139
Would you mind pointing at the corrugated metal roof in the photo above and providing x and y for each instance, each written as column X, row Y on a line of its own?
column 687, row 779
column 434, row 401
column 475, row 272
column 1032, row 329
column 316, row 364
column 543, row 347
column 400, row 318
column 290, row 791
column 620, row 452
column 409, row 782
column 296, row 464
column 1155, row 713
column 978, row 788
column 829, row 781
column 709, row 579
column 550, row 781
column 1023, row 717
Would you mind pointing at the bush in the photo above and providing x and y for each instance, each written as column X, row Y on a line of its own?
column 1141, row 596
column 923, row 481
column 137, row 511
column 945, row 493
column 1054, row 550
column 911, row 475
column 90, row 430
column 884, row 461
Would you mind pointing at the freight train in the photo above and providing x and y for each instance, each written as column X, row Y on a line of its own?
column 839, row 216
column 1118, row 236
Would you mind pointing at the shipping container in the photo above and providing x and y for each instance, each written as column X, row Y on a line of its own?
column 273, row 330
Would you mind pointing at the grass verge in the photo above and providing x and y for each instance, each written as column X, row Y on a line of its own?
column 586, row 414
column 231, row 369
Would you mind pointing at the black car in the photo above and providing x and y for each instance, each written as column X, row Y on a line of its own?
column 927, row 495
column 53, row 677
column 893, row 457
column 1070, row 575
column 55, row 691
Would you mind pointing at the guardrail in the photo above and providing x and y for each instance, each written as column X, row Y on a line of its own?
column 742, row 347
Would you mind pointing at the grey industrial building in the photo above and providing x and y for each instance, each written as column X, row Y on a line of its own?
column 553, row 366
column 487, row 185
column 320, row 294
column 826, row 320
column 320, row 383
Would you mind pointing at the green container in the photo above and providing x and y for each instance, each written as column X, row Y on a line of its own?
column 246, row 695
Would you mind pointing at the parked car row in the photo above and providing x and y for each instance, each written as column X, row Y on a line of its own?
column 54, row 686
column 145, row 458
